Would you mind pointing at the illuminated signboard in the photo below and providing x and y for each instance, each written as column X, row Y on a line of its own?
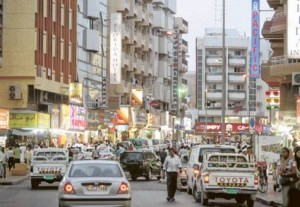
column 115, row 48
column 4, row 117
column 75, row 93
column 77, row 118
column 255, row 38
column 293, row 29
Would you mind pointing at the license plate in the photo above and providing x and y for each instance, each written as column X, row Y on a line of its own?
column 231, row 191
column 49, row 177
column 99, row 188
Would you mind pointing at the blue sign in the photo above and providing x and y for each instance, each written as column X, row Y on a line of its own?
column 252, row 122
column 255, row 40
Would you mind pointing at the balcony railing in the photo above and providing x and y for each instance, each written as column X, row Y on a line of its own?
column 279, row 60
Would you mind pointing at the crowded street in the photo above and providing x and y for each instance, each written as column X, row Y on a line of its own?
column 145, row 194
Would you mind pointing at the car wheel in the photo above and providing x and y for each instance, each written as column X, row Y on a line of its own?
column 196, row 194
column 250, row 203
column 204, row 201
column 240, row 199
column 34, row 184
column 149, row 175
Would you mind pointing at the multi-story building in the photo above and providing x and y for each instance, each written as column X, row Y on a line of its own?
column 1, row 29
column 91, row 50
column 39, row 53
column 240, row 100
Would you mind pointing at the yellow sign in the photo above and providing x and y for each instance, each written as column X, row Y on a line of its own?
column 43, row 121
column 64, row 116
column 75, row 93
column 22, row 120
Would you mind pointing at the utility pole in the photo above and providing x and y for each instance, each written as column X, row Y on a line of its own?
column 224, row 79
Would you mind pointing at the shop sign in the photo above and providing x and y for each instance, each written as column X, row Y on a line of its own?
column 43, row 121
column 155, row 104
column 64, row 116
column 122, row 117
column 93, row 119
column 54, row 112
column 115, row 48
column 75, row 93
column 114, row 102
column 22, row 120
column 298, row 110
column 217, row 127
column 139, row 118
column 77, row 118
column 4, row 117
column 293, row 31
column 154, row 120
column 255, row 40
column 175, row 82
column 136, row 97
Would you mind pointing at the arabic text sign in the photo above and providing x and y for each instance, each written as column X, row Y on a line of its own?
column 23, row 120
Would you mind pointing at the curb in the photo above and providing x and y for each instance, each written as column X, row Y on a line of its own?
column 14, row 182
column 269, row 203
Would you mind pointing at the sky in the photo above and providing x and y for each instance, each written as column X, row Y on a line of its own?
column 202, row 13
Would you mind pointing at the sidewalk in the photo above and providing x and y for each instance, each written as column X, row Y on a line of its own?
column 12, row 180
column 271, row 197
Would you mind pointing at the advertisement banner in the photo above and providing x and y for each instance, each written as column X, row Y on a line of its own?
column 216, row 127
column 114, row 102
column 75, row 93
column 43, row 121
column 293, row 32
column 255, row 40
column 23, row 120
column 54, row 112
column 154, row 120
column 115, row 48
column 4, row 117
column 64, row 116
column 93, row 119
column 77, row 118
column 122, row 116
column 136, row 97
column 139, row 118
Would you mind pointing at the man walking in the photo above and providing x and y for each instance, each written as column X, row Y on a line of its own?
column 172, row 165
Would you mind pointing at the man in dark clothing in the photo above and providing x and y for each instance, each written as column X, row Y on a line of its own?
column 163, row 154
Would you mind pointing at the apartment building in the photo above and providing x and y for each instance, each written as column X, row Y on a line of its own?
column 91, row 50
column 282, row 70
column 1, row 29
column 240, row 89
column 39, row 53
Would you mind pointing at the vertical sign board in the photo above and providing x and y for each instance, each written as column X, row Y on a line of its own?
column 174, row 98
column 255, row 39
column 298, row 110
column 115, row 48
column 293, row 29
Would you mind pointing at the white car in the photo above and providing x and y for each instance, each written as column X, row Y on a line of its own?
column 106, row 153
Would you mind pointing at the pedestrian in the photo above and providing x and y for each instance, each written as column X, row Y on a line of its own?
column 287, row 172
column 28, row 155
column 182, row 151
column 171, row 166
column 95, row 153
column 22, row 154
column 3, row 160
column 163, row 154
column 10, row 157
column 294, row 192
column 17, row 153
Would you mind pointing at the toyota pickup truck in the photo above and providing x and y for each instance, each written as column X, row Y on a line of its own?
column 48, row 165
column 226, row 175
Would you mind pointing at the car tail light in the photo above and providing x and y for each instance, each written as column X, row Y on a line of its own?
column 124, row 188
column 197, row 173
column 256, row 180
column 206, row 179
column 68, row 189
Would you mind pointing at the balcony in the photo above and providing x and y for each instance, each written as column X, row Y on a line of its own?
column 183, row 67
column 125, row 59
column 163, row 46
column 184, row 46
column 138, row 67
column 159, row 19
column 134, row 63
column 122, row 6
column 274, row 3
column 137, row 39
column 236, row 95
column 265, row 75
column 214, row 77
column 150, row 68
column 236, row 78
column 146, row 68
column 279, row 23
column 214, row 95
column 237, row 61
column 171, row 6
column 139, row 17
column 182, row 25
column 145, row 43
column 214, row 60
column 159, row 2
column 163, row 69
column 281, row 67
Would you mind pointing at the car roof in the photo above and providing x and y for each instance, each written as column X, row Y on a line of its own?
column 214, row 146
column 50, row 149
column 94, row 161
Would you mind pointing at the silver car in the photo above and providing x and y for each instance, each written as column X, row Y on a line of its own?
column 94, row 183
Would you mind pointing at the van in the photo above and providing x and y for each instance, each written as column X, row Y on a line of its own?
column 196, row 158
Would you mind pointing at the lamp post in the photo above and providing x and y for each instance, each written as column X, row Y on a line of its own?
column 224, row 78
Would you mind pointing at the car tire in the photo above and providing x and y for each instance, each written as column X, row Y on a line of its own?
column 204, row 201
column 34, row 184
column 196, row 194
column 149, row 175
column 240, row 199
column 250, row 202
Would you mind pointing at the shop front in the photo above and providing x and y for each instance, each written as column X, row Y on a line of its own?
column 4, row 126
column 119, row 130
column 138, row 122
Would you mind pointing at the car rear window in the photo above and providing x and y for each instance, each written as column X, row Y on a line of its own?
column 95, row 170
column 214, row 150
column 132, row 156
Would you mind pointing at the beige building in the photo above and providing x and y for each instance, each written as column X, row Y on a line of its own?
column 39, row 53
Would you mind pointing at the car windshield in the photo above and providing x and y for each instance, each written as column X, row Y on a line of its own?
column 50, row 153
column 214, row 150
column 132, row 156
column 95, row 170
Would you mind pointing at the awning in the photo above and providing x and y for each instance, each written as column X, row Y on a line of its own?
column 29, row 132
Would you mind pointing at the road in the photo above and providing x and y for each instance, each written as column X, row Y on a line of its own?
column 145, row 194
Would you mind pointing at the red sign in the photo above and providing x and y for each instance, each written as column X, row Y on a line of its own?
column 155, row 104
column 216, row 127
column 4, row 117
column 77, row 118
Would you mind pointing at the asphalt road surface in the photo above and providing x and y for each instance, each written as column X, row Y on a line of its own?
column 145, row 194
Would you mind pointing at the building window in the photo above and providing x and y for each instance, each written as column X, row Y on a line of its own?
column 238, row 70
column 212, row 87
column 237, row 53
column 239, row 87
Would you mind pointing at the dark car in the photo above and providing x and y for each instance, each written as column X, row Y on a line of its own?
column 141, row 163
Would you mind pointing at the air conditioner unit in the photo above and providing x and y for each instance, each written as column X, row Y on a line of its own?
column 14, row 92
column 296, row 79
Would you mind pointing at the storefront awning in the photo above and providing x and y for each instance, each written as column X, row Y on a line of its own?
column 29, row 132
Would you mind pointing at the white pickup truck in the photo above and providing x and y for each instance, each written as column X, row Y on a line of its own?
column 226, row 175
column 48, row 165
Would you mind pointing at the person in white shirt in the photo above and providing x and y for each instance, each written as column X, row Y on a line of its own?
column 171, row 165
column 182, row 151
